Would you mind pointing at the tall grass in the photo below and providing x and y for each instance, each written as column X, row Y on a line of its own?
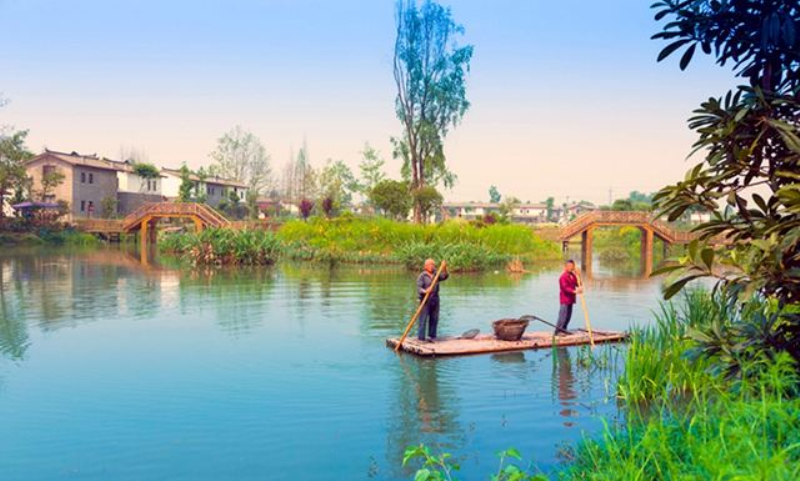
column 721, row 431
column 224, row 246
column 356, row 240
column 656, row 364
column 464, row 246
column 686, row 419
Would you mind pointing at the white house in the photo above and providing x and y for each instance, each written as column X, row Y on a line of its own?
column 214, row 188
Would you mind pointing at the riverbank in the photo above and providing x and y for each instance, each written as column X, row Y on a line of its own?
column 692, row 417
column 465, row 246
column 37, row 237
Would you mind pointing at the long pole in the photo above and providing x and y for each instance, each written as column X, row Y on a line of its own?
column 419, row 309
column 585, row 311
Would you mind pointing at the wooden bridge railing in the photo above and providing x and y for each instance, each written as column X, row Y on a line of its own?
column 207, row 214
column 623, row 218
column 98, row 225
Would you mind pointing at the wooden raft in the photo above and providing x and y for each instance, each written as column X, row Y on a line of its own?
column 487, row 343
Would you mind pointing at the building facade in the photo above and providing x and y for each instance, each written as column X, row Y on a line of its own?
column 213, row 188
column 88, row 181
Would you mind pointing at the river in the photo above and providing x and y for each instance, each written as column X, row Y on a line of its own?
column 111, row 368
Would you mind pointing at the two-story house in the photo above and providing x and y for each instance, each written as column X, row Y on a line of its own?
column 87, row 181
column 91, row 183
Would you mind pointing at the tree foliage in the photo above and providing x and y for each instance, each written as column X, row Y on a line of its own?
column 430, row 70
column 392, row 197
column 371, row 169
column 50, row 181
column 300, row 177
column 146, row 170
column 337, row 182
column 187, row 185
column 750, row 139
column 494, row 195
column 241, row 156
column 13, row 153
column 428, row 200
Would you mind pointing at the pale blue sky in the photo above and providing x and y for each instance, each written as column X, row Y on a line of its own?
column 567, row 96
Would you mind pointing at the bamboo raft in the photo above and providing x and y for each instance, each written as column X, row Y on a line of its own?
column 488, row 343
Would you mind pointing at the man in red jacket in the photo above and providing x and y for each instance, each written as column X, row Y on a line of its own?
column 568, row 288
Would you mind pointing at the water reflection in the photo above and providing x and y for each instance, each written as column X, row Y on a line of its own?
column 565, row 379
column 425, row 409
column 274, row 362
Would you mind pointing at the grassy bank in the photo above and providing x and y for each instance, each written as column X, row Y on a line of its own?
column 618, row 244
column 355, row 240
column 687, row 419
column 688, row 416
column 47, row 237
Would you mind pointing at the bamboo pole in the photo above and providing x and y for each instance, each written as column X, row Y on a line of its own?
column 585, row 311
column 419, row 309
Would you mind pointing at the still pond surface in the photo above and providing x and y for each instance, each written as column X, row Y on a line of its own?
column 114, row 369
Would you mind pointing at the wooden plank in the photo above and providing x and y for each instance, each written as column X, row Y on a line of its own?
column 486, row 343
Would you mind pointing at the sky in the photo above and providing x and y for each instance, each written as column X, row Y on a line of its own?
column 567, row 97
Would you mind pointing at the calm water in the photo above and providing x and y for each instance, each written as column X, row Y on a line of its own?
column 112, row 369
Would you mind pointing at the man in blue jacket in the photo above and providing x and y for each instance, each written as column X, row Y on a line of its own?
column 429, row 317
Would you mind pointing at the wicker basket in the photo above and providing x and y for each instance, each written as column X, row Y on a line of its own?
column 509, row 329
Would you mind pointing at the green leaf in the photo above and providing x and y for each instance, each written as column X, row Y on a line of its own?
column 669, row 49
column 666, row 270
column 707, row 255
column 423, row 474
column 687, row 57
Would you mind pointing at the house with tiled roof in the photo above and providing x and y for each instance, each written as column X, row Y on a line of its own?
column 89, row 181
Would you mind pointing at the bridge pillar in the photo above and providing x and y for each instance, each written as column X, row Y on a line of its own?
column 198, row 224
column 586, row 250
column 647, row 251
column 147, row 230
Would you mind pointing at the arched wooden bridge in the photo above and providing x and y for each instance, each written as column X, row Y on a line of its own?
column 650, row 227
column 145, row 218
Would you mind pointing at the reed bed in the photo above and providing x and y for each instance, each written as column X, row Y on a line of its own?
column 349, row 239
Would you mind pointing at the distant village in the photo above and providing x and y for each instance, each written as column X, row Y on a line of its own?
column 97, row 187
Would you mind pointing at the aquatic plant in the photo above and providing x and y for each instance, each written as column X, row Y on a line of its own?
column 441, row 467
column 224, row 246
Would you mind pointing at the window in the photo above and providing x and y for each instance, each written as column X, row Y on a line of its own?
column 91, row 181
column 91, row 207
column 83, row 177
column 48, row 169
column 83, row 206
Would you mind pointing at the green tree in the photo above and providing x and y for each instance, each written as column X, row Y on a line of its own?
column 371, row 169
column 750, row 138
column 241, row 156
column 145, row 171
column 550, row 207
column 428, row 200
column 50, row 181
column 200, row 187
column 13, row 154
column 187, row 185
column 336, row 182
column 494, row 195
column 108, row 207
column 430, row 71
column 392, row 197
column 300, row 177
column 507, row 207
